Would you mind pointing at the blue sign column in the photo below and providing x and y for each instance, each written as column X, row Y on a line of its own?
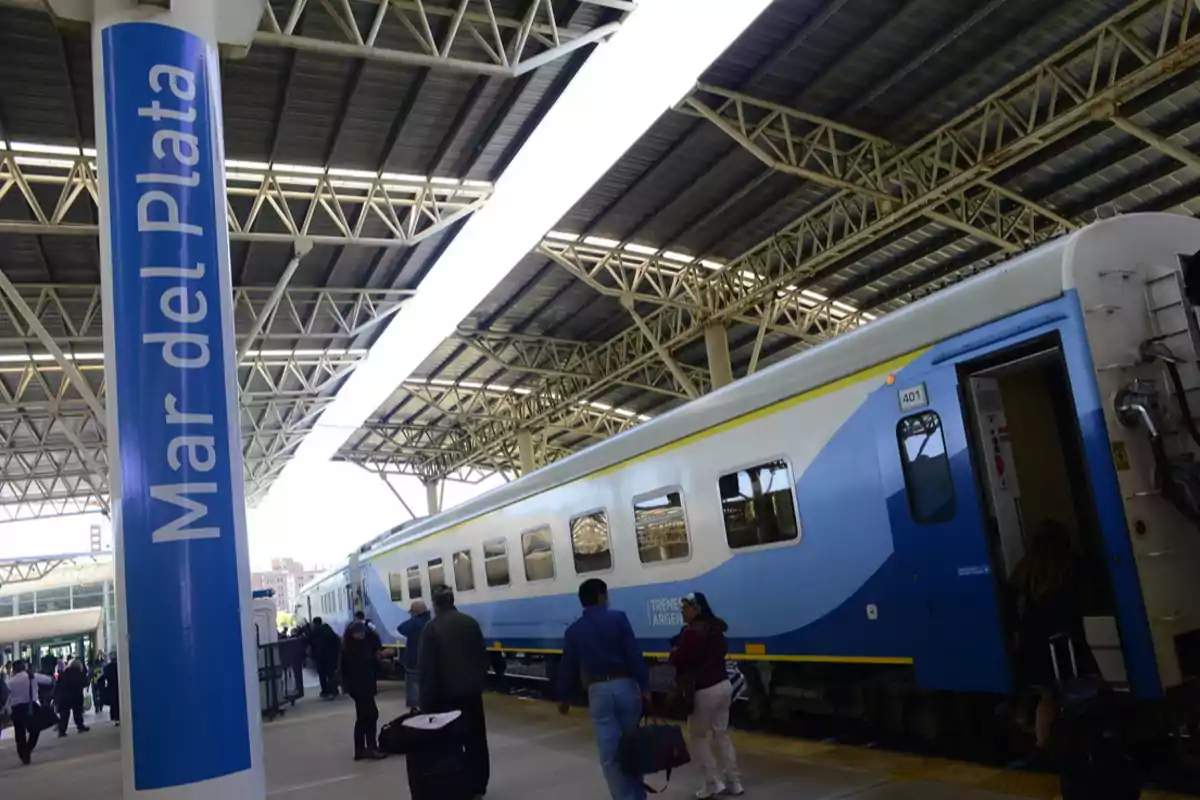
column 188, row 664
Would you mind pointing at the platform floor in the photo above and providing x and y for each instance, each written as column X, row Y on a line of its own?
column 536, row 755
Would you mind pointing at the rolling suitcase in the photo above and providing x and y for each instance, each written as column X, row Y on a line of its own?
column 1096, row 764
column 435, row 760
column 438, row 773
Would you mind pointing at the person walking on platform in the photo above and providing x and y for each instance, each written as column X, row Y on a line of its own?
column 698, row 655
column 23, row 690
column 361, row 616
column 360, row 665
column 97, row 681
column 45, row 691
column 69, row 690
column 411, row 629
column 453, row 665
column 600, row 647
column 325, row 647
column 112, row 689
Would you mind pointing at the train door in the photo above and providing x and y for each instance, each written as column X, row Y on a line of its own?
column 1029, row 460
column 952, row 603
column 354, row 579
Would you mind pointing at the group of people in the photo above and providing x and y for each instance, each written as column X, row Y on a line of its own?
column 25, row 691
column 446, row 665
column 600, row 648
column 446, row 650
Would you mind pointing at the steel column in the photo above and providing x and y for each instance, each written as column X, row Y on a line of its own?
column 716, row 345
column 433, row 499
column 175, row 447
column 525, row 451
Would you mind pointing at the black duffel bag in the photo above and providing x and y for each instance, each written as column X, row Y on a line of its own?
column 394, row 738
column 652, row 748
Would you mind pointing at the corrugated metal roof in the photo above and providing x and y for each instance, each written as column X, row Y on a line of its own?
column 897, row 69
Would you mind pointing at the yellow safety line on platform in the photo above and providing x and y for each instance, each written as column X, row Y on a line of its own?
column 895, row 767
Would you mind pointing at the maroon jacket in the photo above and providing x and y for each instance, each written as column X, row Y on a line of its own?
column 699, row 652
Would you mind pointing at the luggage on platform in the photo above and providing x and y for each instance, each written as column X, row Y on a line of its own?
column 1096, row 764
column 433, row 751
column 651, row 748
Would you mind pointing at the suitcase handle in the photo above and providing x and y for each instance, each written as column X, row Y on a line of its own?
column 1054, row 640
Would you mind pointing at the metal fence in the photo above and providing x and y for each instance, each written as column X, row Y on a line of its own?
column 280, row 675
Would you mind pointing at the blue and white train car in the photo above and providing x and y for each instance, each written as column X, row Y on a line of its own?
column 855, row 511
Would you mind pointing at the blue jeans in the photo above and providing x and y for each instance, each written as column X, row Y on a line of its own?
column 412, row 688
column 615, row 707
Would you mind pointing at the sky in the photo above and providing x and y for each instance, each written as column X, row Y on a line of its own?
column 323, row 516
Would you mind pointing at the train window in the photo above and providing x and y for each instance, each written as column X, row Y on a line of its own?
column 414, row 583
column 661, row 527
column 758, row 505
column 926, row 467
column 464, row 572
column 396, row 587
column 437, row 575
column 590, row 542
column 495, row 562
column 539, row 554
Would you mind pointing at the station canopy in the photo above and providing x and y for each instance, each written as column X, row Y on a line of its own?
column 842, row 158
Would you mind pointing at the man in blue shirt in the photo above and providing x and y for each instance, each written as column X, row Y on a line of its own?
column 600, row 648
column 411, row 630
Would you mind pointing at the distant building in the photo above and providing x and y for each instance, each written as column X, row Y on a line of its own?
column 286, row 578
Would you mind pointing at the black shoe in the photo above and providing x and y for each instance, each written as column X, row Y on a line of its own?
column 84, row 729
column 360, row 756
column 62, row 734
column 375, row 755
column 26, row 760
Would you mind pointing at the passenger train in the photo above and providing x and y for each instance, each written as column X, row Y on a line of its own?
column 855, row 511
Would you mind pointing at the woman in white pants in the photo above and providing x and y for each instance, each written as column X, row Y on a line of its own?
column 698, row 656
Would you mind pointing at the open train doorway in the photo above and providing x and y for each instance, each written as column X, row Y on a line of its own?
column 1029, row 462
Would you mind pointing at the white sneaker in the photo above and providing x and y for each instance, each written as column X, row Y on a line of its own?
column 735, row 789
column 711, row 790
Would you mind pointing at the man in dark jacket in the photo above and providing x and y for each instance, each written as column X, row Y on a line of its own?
column 411, row 629
column 325, row 649
column 453, row 665
column 97, row 678
column 49, row 668
column 68, row 695
column 112, row 688
column 359, row 666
